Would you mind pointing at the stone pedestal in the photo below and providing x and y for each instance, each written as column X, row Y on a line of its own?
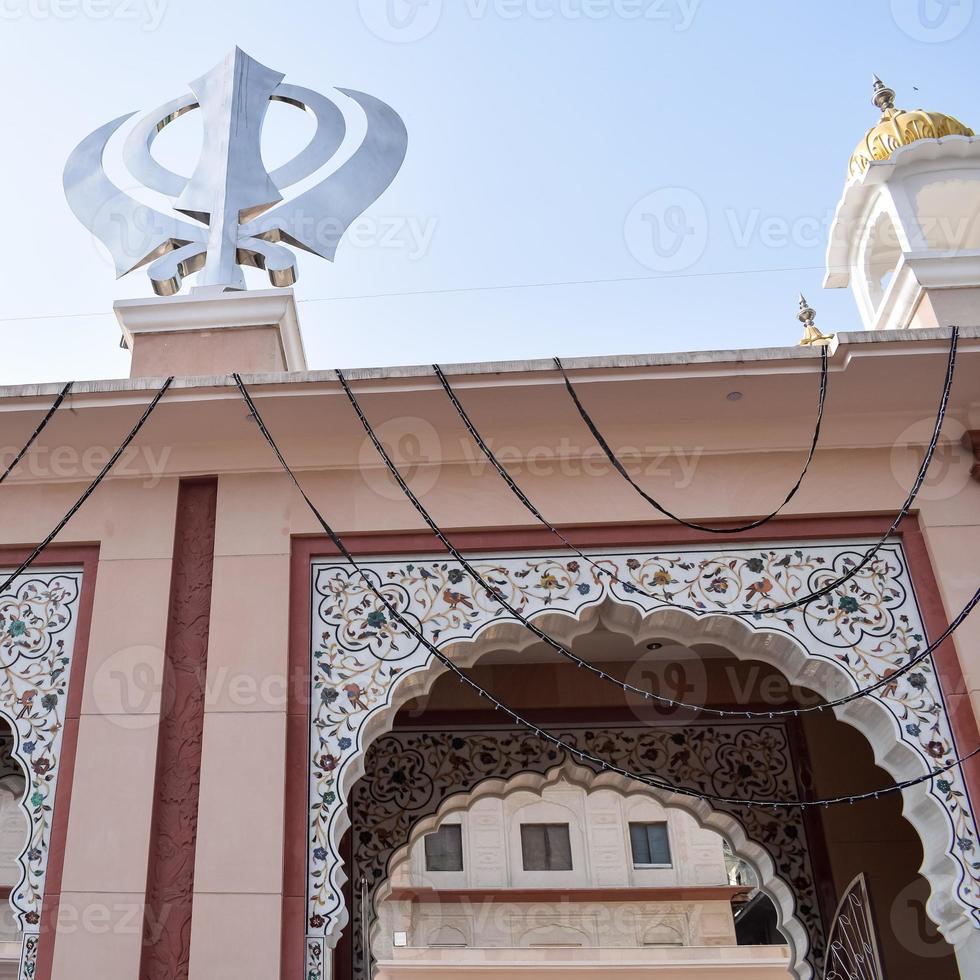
column 249, row 332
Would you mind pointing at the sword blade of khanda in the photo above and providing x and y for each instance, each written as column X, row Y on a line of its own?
column 230, row 184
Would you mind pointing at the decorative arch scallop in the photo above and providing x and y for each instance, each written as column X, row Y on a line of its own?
column 364, row 667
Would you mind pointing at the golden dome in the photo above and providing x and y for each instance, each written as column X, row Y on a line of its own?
column 899, row 127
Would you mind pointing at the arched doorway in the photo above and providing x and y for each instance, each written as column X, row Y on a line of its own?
column 364, row 671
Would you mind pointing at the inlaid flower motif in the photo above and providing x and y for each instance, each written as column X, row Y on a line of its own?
column 848, row 604
column 17, row 627
column 661, row 577
column 755, row 565
column 376, row 618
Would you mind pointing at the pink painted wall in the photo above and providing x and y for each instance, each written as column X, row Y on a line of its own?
column 708, row 457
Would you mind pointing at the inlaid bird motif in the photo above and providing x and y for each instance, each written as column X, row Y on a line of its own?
column 456, row 599
column 26, row 700
column 355, row 694
column 761, row 588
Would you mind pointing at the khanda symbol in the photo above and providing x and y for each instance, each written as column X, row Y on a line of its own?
column 238, row 217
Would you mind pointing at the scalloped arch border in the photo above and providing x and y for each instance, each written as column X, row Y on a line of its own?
column 924, row 811
column 897, row 757
column 80, row 561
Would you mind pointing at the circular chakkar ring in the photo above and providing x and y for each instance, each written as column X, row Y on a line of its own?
column 330, row 131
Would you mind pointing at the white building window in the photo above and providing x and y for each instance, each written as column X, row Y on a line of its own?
column 444, row 849
column 546, row 847
column 650, row 844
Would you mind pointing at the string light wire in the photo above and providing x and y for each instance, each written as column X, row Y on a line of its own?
column 560, row 648
column 536, row 513
column 602, row 569
column 855, row 569
column 752, row 525
column 42, row 425
column 113, row 459
column 571, row 750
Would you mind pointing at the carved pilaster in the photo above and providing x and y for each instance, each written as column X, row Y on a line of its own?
column 170, row 884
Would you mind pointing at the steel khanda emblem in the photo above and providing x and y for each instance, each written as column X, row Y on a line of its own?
column 238, row 216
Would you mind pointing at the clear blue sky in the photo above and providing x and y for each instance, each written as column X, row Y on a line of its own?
column 535, row 127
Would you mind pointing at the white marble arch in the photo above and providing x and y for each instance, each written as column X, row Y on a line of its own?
column 803, row 645
column 38, row 620
column 724, row 824
column 15, row 830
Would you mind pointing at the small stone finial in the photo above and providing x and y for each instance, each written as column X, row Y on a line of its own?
column 811, row 335
column 883, row 96
column 807, row 313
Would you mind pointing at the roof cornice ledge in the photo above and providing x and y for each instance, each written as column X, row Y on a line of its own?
column 692, row 364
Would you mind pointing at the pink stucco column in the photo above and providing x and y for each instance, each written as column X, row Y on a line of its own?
column 238, row 877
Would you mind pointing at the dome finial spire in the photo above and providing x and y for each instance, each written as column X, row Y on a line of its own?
column 811, row 335
column 883, row 96
column 898, row 128
column 807, row 314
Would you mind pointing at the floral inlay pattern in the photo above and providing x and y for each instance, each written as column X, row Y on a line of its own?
column 408, row 776
column 867, row 628
column 37, row 637
column 28, row 957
